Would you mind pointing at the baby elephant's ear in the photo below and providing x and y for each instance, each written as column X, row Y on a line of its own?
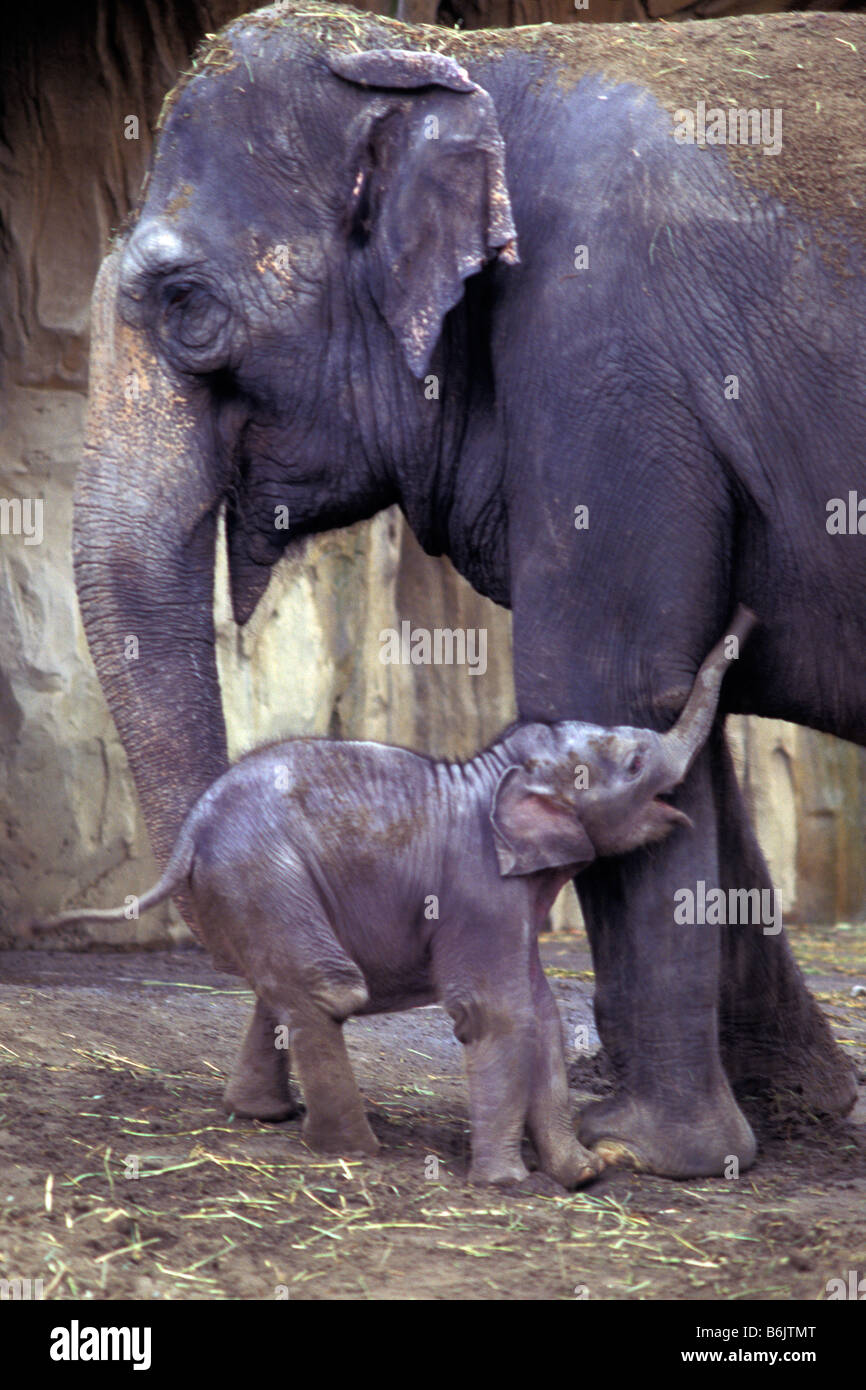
column 531, row 831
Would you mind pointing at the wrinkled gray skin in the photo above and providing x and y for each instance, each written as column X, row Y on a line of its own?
column 335, row 213
column 355, row 878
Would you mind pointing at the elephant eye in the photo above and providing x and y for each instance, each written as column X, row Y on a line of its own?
column 177, row 294
column 194, row 325
column 634, row 764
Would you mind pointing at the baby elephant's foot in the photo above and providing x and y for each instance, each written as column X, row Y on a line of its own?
column 575, row 1166
column 504, row 1173
column 357, row 1138
column 537, row 1184
column 265, row 1103
column 259, row 1087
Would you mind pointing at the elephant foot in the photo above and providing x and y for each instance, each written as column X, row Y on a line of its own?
column 264, row 1104
column 810, row 1066
column 632, row 1134
column 259, row 1087
column 572, row 1167
column 502, row 1172
column 344, row 1140
column 583, row 1170
column 535, row 1184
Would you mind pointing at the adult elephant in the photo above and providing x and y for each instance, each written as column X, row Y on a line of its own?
column 615, row 375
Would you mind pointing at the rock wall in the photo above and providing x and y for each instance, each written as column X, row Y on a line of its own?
column 807, row 796
column 70, row 828
column 82, row 86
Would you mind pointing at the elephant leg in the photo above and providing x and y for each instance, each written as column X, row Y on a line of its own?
column 656, row 1006
column 498, row 1075
column 772, row 1031
column 304, row 979
column 306, row 976
column 610, row 624
column 482, row 980
column 259, row 1088
column 549, row 1118
column 336, row 1121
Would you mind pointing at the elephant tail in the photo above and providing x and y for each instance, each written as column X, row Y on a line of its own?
column 176, row 873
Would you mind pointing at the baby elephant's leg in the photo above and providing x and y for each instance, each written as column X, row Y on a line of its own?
column 259, row 1088
column 490, row 1003
column 549, row 1121
column 303, row 979
column 336, row 1121
column 498, row 1061
column 308, row 979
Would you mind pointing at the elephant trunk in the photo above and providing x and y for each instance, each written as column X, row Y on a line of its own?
column 684, row 741
column 146, row 502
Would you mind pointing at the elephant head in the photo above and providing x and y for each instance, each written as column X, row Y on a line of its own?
column 576, row 791
column 311, row 217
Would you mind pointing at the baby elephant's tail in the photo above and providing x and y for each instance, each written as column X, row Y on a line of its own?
column 176, row 873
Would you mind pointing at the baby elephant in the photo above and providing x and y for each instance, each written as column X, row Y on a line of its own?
column 353, row 878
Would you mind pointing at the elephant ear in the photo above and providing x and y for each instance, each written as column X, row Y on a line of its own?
column 531, row 830
column 428, row 201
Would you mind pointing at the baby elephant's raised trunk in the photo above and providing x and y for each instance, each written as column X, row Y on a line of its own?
column 684, row 741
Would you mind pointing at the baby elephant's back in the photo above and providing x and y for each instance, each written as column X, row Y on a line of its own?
column 337, row 803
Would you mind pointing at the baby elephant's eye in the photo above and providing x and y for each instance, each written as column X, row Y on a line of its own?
column 634, row 764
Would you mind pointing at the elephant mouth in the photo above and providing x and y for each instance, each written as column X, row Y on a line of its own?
column 670, row 814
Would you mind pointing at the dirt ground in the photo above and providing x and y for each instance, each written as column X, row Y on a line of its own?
column 112, row 1064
